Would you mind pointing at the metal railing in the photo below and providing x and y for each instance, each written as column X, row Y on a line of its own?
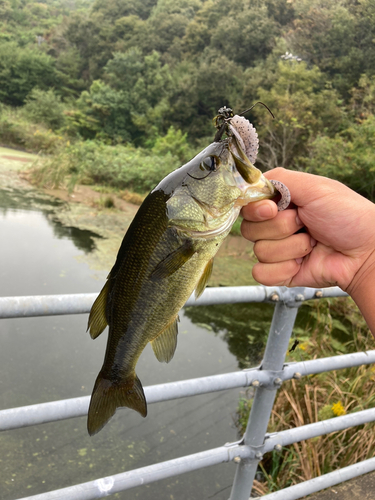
column 265, row 379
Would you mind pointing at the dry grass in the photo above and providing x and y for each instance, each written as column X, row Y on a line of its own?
column 318, row 397
column 131, row 197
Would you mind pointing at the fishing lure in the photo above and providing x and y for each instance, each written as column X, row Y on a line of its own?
column 244, row 131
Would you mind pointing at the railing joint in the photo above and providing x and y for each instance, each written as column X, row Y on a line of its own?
column 291, row 297
column 239, row 452
column 268, row 379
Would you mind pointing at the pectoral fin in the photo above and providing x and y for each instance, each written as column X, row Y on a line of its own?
column 204, row 278
column 174, row 261
column 97, row 319
column 164, row 345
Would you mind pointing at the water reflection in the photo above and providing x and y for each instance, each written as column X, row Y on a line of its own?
column 12, row 200
column 83, row 239
column 51, row 358
column 243, row 326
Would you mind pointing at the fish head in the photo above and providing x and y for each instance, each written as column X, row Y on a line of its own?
column 206, row 194
column 222, row 176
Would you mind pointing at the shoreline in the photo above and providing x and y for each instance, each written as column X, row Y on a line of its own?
column 84, row 209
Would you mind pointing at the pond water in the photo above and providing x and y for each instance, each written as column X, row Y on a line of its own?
column 52, row 358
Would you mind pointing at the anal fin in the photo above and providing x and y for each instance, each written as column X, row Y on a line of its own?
column 97, row 318
column 204, row 278
column 164, row 345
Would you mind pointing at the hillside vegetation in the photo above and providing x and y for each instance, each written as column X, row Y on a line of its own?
column 148, row 76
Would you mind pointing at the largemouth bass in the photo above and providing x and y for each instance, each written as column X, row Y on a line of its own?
column 166, row 254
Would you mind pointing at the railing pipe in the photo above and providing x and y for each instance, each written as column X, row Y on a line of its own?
column 80, row 303
column 321, row 365
column 231, row 452
column 145, row 475
column 277, row 344
column 309, row 431
column 266, row 379
column 46, row 305
column 319, row 483
column 25, row 416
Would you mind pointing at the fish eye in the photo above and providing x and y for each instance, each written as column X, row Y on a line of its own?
column 209, row 163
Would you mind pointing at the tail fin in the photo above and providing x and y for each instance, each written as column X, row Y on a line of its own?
column 107, row 396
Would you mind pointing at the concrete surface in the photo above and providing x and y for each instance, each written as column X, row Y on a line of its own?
column 362, row 487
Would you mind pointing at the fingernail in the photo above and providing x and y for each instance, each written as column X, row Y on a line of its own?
column 298, row 221
column 312, row 242
column 264, row 211
column 299, row 260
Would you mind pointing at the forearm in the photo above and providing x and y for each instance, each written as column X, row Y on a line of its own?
column 362, row 290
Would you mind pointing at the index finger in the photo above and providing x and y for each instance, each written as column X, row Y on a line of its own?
column 259, row 211
column 305, row 188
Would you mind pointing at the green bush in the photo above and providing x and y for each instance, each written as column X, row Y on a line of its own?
column 90, row 162
column 17, row 131
column 45, row 107
column 175, row 143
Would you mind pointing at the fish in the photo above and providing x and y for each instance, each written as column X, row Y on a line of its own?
column 167, row 253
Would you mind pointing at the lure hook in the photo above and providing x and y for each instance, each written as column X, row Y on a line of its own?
column 226, row 114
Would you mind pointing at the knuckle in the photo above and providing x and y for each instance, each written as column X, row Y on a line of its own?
column 257, row 249
column 262, row 251
column 303, row 245
column 285, row 229
column 248, row 230
column 245, row 230
column 287, row 223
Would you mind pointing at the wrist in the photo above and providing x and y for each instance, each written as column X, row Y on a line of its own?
column 362, row 290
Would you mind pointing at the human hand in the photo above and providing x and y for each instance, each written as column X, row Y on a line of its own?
column 338, row 247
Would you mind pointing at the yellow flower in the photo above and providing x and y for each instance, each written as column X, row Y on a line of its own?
column 303, row 346
column 338, row 409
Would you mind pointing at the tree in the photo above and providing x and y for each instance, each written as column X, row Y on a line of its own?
column 115, row 9
column 303, row 107
column 202, row 87
column 146, row 82
column 102, row 113
column 242, row 31
column 246, row 36
column 338, row 37
column 22, row 69
column 363, row 97
column 348, row 157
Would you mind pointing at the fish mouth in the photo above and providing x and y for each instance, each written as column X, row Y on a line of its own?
column 249, row 179
column 261, row 190
column 216, row 231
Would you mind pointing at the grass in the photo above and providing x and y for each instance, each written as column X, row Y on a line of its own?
column 90, row 162
column 319, row 397
column 236, row 228
column 17, row 131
